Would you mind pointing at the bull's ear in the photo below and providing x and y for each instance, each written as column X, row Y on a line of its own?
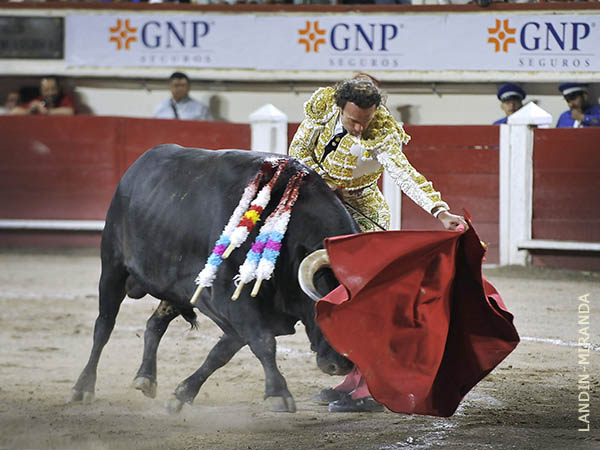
column 306, row 272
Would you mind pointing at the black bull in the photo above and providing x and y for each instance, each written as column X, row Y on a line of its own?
column 167, row 212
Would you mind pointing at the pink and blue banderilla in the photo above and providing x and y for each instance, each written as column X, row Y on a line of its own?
column 206, row 277
column 240, row 224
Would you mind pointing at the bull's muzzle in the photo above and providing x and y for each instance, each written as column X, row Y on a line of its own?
column 309, row 266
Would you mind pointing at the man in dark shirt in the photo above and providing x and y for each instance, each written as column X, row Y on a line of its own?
column 581, row 113
column 511, row 100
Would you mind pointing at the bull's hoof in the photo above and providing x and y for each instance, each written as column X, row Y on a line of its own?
column 282, row 404
column 88, row 397
column 76, row 396
column 173, row 404
column 145, row 385
column 79, row 396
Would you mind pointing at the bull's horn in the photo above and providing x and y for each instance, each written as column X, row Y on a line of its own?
column 307, row 270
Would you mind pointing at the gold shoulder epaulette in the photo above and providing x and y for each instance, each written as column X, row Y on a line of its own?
column 381, row 127
column 321, row 105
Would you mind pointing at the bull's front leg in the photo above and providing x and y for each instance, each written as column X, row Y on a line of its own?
column 220, row 355
column 157, row 324
column 276, row 391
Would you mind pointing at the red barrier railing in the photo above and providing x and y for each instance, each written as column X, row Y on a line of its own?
column 68, row 167
column 566, row 186
column 462, row 162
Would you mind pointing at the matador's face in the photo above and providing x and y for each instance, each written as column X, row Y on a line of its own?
column 355, row 119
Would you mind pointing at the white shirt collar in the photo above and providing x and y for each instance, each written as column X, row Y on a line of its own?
column 338, row 125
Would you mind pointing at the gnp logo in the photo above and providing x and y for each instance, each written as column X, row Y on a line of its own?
column 348, row 37
column 352, row 44
column 501, row 35
column 123, row 34
column 163, row 35
column 312, row 36
column 555, row 44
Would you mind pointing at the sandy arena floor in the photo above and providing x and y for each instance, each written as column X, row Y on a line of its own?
column 48, row 304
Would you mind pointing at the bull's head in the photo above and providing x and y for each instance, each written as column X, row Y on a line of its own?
column 328, row 360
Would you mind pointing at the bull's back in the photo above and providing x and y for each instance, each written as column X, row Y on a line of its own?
column 172, row 204
column 170, row 207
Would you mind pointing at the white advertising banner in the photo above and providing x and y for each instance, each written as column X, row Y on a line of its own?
column 190, row 40
column 398, row 42
column 434, row 42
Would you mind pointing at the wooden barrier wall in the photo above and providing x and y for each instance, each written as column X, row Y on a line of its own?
column 462, row 162
column 566, row 188
column 68, row 168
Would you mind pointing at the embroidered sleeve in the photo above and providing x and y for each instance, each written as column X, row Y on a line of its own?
column 390, row 137
column 412, row 182
column 303, row 145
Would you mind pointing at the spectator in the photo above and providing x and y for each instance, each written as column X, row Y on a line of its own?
column 511, row 100
column 581, row 113
column 11, row 102
column 51, row 101
column 181, row 105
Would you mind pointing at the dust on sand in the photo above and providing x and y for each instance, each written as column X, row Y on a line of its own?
column 48, row 304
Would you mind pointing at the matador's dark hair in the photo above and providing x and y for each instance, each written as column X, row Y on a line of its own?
column 360, row 91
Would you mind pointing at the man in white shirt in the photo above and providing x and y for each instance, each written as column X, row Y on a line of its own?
column 181, row 105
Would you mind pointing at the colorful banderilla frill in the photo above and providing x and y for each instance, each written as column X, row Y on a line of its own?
column 206, row 277
column 261, row 258
column 252, row 216
column 266, row 266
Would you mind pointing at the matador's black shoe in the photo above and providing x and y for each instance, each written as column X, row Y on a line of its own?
column 326, row 396
column 349, row 404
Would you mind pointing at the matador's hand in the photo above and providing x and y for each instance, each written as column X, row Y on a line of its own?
column 452, row 221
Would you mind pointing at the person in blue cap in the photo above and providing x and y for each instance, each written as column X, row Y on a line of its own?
column 511, row 100
column 581, row 113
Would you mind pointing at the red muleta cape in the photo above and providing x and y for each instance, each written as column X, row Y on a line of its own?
column 416, row 316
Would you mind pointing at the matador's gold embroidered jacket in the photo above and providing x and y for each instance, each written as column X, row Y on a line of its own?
column 358, row 162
